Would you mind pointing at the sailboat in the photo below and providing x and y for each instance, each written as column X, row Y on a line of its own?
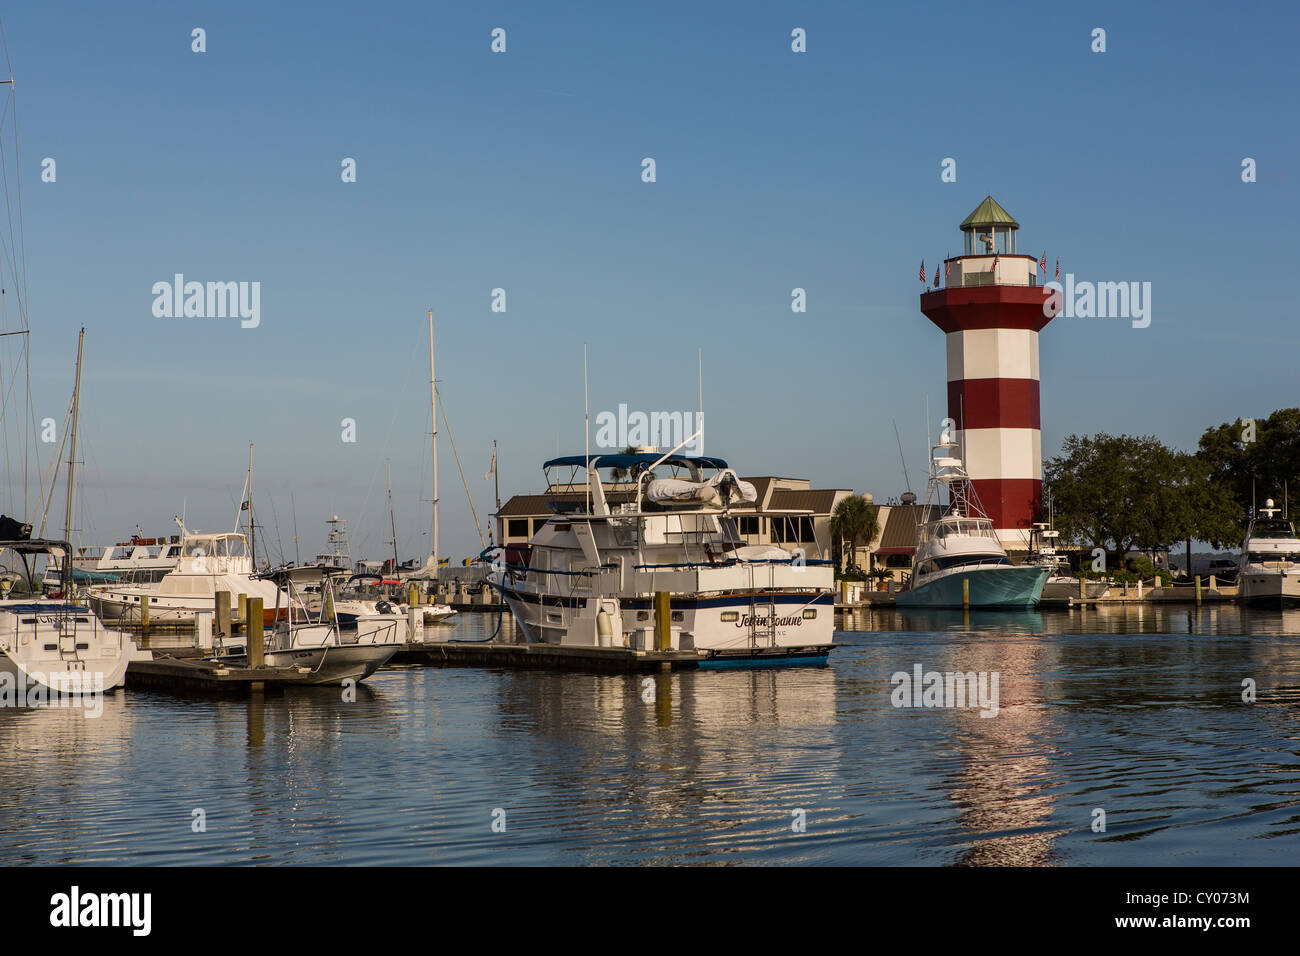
column 54, row 645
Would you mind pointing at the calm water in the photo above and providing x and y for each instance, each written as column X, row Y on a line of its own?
column 1138, row 713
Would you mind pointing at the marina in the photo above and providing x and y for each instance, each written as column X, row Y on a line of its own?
column 706, row 767
column 525, row 439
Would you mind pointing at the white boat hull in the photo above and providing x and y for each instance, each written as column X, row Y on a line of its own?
column 1269, row 587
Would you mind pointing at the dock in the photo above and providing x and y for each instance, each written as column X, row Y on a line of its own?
column 190, row 674
column 610, row 660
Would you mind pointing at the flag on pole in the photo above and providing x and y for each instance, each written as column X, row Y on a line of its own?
column 923, row 270
column 1042, row 263
column 995, row 266
column 947, row 267
column 492, row 468
column 936, row 277
column 1058, row 269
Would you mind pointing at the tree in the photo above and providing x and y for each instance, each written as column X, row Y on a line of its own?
column 854, row 520
column 1121, row 492
column 1253, row 458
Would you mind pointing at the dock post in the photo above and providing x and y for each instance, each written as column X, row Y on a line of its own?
column 1083, row 586
column 1211, row 582
column 1139, row 589
column 253, row 630
column 1197, row 579
column 241, row 609
column 663, row 621
column 413, row 595
column 965, row 593
column 223, row 616
column 144, row 613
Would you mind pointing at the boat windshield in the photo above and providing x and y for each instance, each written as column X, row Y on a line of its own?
column 952, row 526
column 1272, row 528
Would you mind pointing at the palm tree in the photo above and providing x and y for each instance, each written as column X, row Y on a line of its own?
column 618, row 474
column 854, row 520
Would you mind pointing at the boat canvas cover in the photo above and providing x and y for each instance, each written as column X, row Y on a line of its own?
column 721, row 490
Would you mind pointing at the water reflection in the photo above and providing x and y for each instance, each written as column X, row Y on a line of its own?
column 1210, row 619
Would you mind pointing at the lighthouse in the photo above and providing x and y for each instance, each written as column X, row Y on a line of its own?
column 991, row 310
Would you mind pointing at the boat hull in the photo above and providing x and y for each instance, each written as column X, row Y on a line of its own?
column 726, row 630
column 1005, row 586
column 1268, row 589
column 335, row 663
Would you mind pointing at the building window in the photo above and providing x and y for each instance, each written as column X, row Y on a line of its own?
column 517, row 527
column 793, row 529
column 537, row 524
column 750, row 525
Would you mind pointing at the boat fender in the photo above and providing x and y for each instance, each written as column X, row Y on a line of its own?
column 604, row 628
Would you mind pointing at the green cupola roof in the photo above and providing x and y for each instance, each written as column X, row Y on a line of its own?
column 988, row 213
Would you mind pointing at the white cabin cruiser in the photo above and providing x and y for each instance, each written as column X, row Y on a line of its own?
column 1270, row 560
column 209, row 563
column 57, row 645
column 959, row 561
column 140, row 560
column 590, row 574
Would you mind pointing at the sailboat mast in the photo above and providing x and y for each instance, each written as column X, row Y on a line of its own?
column 252, row 534
column 72, row 447
column 433, row 405
column 392, row 525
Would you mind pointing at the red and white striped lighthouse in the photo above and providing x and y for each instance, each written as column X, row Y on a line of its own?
column 992, row 311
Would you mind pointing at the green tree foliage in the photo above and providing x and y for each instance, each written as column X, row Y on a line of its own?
column 1120, row 492
column 1264, row 461
column 854, row 520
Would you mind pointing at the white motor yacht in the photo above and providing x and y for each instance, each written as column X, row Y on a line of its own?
column 661, row 523
column 1269, row 570
column 209, row 563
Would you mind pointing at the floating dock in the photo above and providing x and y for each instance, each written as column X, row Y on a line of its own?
column 623, row 660
column 195, row 675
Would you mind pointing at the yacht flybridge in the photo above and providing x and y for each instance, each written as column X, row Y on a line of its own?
column 959, row 561
column 662, row 523
column 1270, row 559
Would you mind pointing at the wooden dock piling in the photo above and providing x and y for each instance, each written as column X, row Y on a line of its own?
column 253, row 631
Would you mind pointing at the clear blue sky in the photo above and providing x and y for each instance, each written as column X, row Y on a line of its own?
column 522, row 171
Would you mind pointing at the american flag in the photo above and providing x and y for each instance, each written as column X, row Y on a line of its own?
column 1042, row 263
column 922, row 270
column 936, row 277
column 947, row 266
column 995, row 264
column 1058, row 270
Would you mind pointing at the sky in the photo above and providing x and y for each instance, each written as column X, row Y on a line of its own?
column 522, row 171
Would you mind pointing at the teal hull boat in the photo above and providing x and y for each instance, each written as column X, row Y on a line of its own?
column 1009, row 586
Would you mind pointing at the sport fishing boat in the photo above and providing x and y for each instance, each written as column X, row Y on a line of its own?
column 661, row 523
column 57, row 645
column 959, row 561
column 318, row 643
column 1270, row 560
column 209, row 563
